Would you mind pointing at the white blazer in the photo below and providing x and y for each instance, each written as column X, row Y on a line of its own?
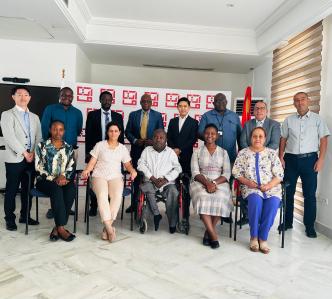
column 15, row 135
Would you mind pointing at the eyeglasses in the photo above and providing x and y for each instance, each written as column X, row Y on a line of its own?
column 260, row 108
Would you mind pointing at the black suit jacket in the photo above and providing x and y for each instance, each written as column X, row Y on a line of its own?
column 93, row 132
column 184, row 140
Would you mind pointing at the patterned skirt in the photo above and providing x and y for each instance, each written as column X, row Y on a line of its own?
column 214, row 204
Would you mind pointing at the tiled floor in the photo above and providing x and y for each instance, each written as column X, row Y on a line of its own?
column 159, row 265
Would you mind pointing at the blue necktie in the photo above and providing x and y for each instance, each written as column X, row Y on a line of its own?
column 107, row 120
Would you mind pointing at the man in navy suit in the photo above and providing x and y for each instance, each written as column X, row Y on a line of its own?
column 95, row 131
column 139, row 131
column 181, row 136
column 272, row 129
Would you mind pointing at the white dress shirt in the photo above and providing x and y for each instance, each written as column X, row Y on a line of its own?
column 181, row 122
column 164, row 164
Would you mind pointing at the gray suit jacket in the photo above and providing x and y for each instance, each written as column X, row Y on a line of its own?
column 272, row 128
column 15, row 135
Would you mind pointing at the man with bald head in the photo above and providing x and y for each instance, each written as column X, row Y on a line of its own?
column 161, row 167
column 302, row 151
column 139, row 131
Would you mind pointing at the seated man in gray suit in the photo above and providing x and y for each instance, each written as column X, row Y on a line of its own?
column 272, row 129
column 22, row 132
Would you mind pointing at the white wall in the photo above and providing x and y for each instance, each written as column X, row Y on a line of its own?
column 261, row 77
column 41, row 62
column 324, row 215
column 83, row 66
column 167, row 78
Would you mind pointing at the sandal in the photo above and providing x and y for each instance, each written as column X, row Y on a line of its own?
column 254, row 246
column 104, row 234
column 263, row 247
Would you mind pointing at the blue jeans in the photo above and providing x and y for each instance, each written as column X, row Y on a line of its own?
column 303, row 167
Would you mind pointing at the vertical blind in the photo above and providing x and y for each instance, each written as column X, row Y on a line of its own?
column 297, row 67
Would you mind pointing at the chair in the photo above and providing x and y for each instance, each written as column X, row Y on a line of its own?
column 126, row 191
column 230, row 223
column 282, row 207
column 34, row 192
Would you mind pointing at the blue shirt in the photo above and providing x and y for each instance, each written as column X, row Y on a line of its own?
column 26, row 121
column 72, row 118
column 227, row 123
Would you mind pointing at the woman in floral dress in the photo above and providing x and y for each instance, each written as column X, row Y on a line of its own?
column 259, row 171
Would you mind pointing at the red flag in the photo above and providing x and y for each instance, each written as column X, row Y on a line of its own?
column 246, row 106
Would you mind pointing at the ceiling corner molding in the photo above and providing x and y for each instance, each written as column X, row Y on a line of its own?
column 80, row 29
column 84, row 9
column 282, row 10
column 303, row 15
column 163, row 26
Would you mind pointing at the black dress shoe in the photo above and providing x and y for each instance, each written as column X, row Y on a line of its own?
column 206, row 239
column 214, row 244
column 310, row 232
column 287, row 226
column 242, row 221
column 156, row 220
column 93, row 212
column 11, row 226
column 172, row 230
column 30, row 221
column 49, row 214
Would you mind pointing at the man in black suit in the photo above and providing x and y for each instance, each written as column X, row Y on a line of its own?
column 182, row 134
column 181, row 137
column 139, row 131
column 95, row 131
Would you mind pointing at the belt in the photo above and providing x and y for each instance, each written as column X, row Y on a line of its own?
column 301, row 156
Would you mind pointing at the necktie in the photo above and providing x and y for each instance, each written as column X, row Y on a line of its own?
column 144, row 125
column 107, row 118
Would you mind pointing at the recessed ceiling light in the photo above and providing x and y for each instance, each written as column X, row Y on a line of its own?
column 229, row 5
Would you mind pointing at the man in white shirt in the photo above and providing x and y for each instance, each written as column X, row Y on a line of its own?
column 161, row 167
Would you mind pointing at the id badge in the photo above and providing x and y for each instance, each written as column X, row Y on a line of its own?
column 220, row 133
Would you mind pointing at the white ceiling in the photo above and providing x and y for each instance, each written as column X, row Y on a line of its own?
column 245, row 13
column 137, row 56
column 34, row 20
column 184, row 33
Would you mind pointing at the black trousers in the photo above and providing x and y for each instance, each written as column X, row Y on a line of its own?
column 62, row 198
column 15, row 175
column 303, row 167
